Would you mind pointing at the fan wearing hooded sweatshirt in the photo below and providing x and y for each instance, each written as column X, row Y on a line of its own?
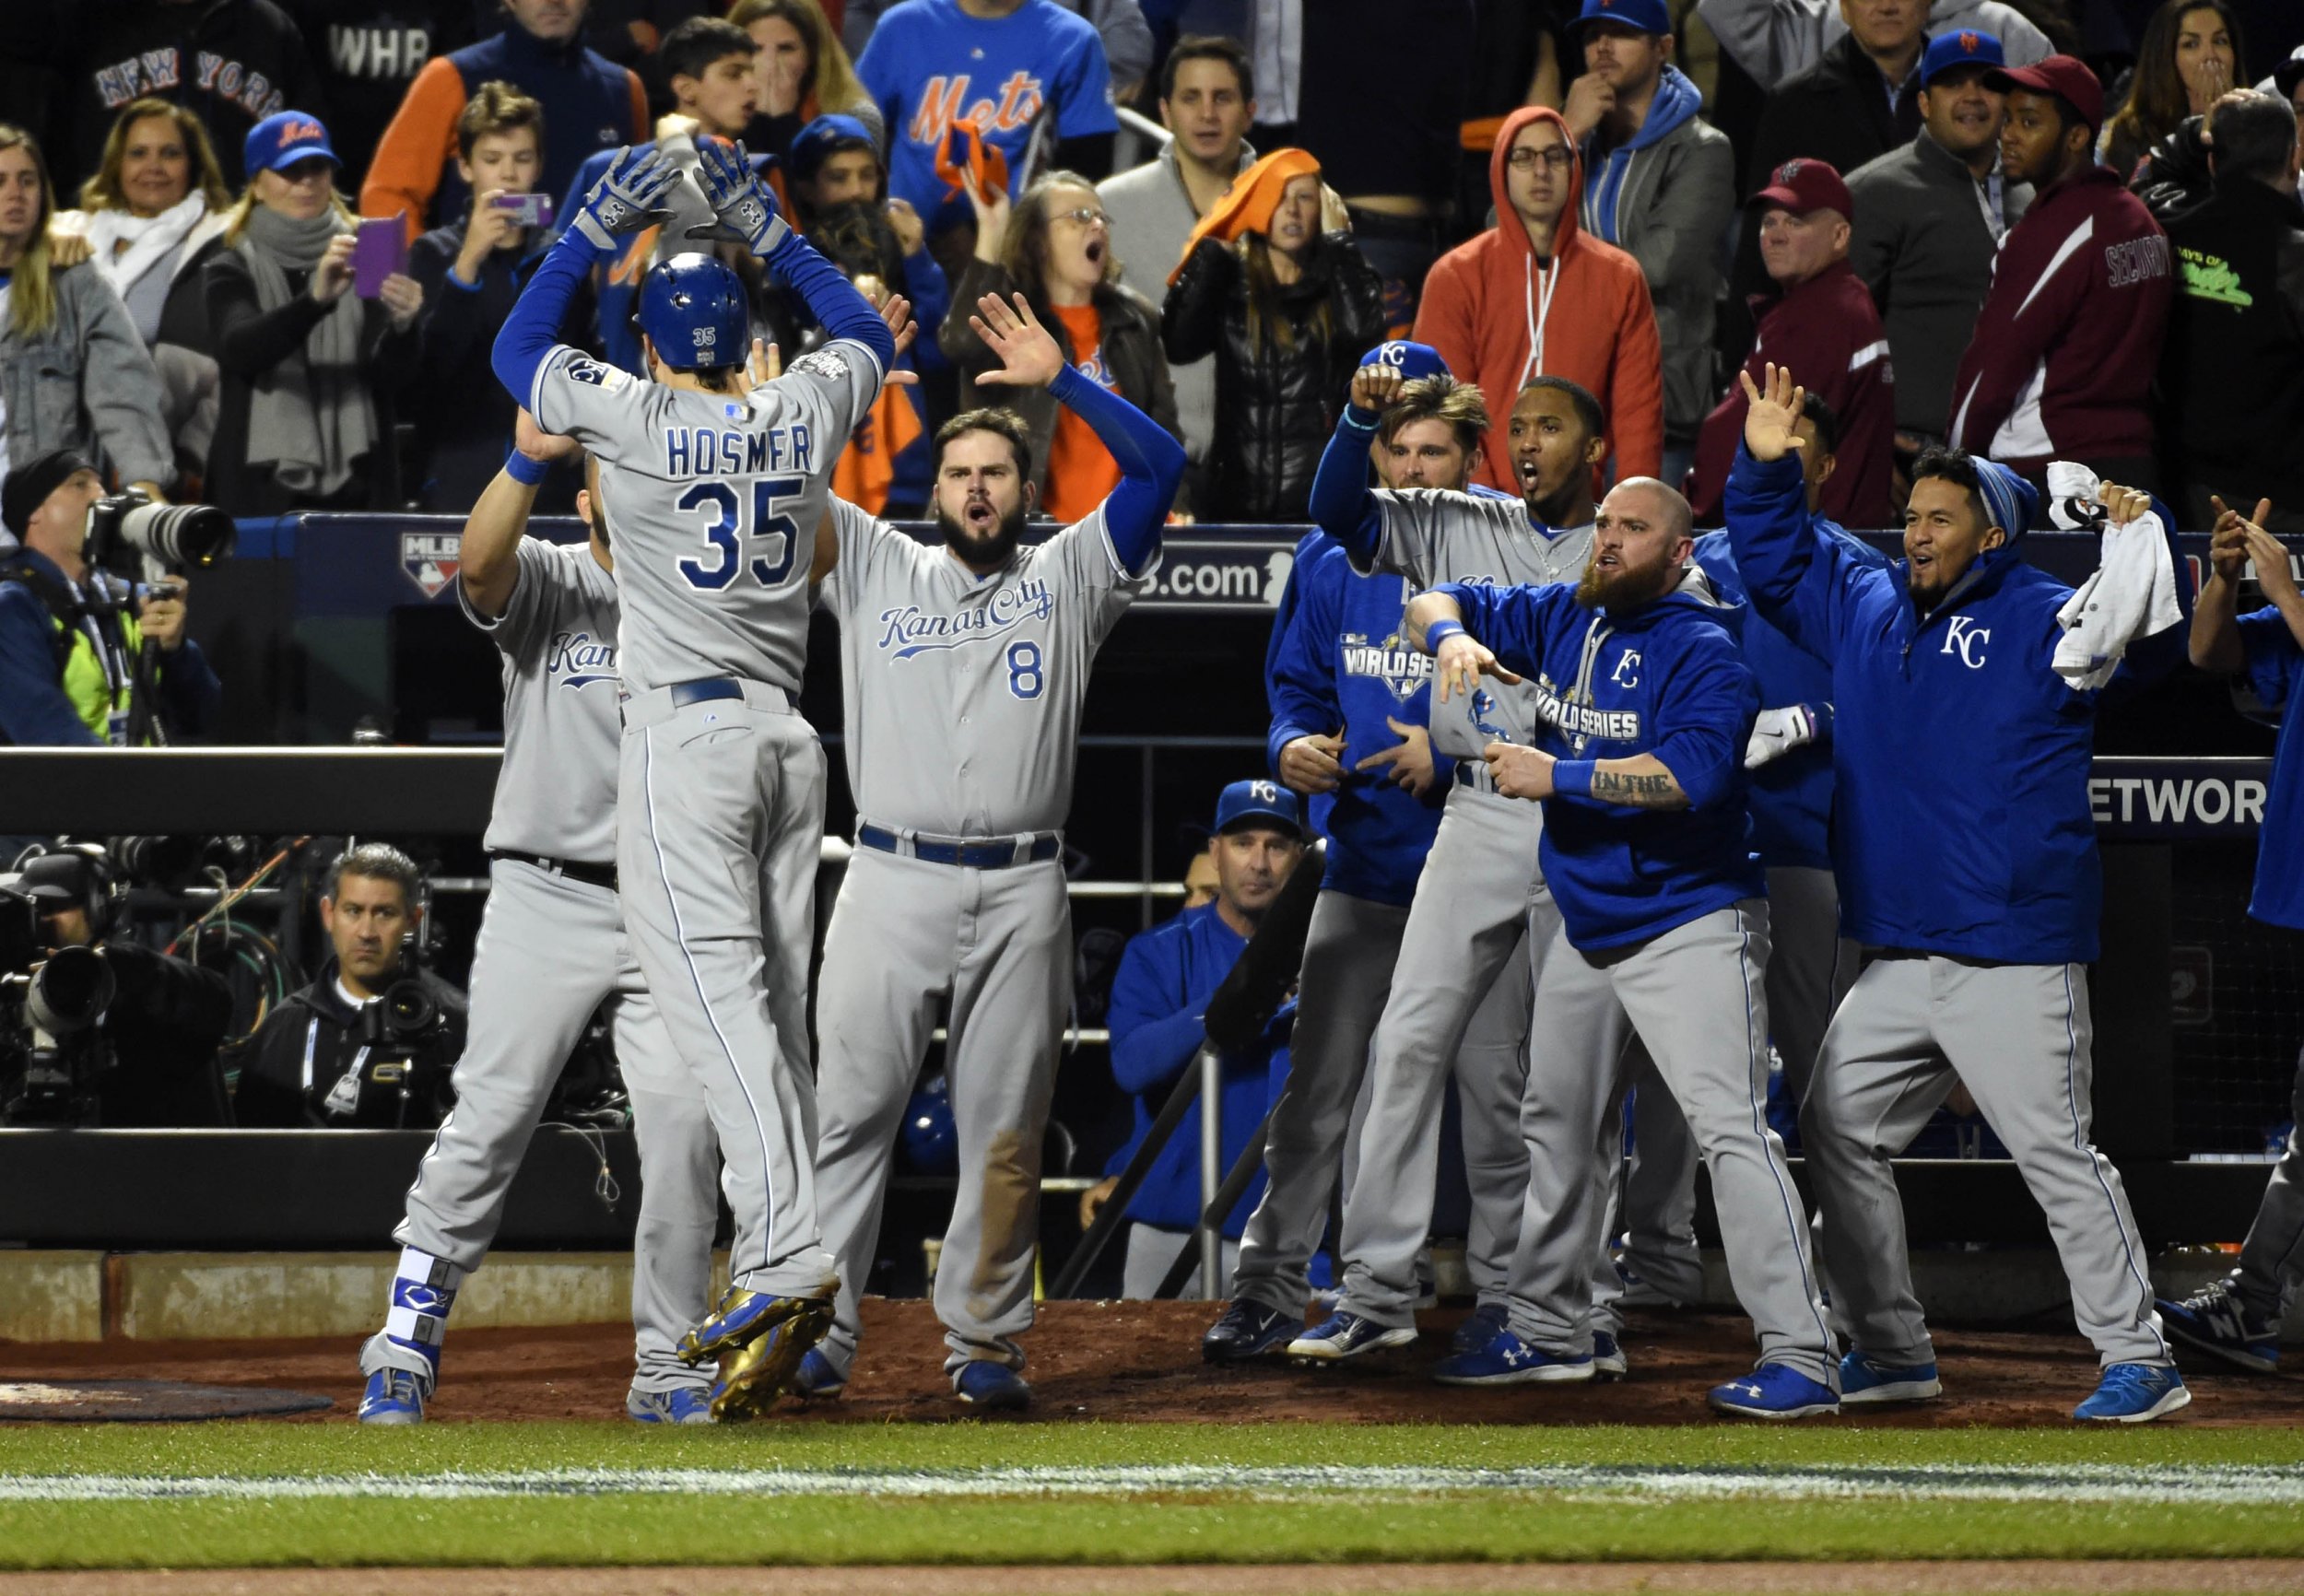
column 1535, row 295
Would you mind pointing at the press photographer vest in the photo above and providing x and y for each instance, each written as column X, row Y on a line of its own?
column 96, row 680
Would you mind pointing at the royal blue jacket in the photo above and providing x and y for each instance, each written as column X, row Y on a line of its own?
column 1339, row 657
column 1962, row 824
column 1666, row 679
column 1791, row 795
column 2275, row 669
column 1162, row 988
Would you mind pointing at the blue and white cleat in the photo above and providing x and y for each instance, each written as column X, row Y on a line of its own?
column 1508, row 1360
column 1347, row 1335
column 683, row 1406
column 1480, row 1327
column 816, row 1377
column 2216, row 1321
column 1775, row 1393
column 1866, row 1379
column 1608, row 1361
column 393, row 1396
column 994, row 1387
column 2133, row 1393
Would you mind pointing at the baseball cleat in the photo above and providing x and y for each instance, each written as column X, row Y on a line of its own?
column 1345, row 1335
column 393, row 1396
column 816, row 1376
column 683, row 1406
column 1479, row 1327
column 1508, row 1360
column 1866, row 1379
column 1247, row 1330
column 1607, row 1358
column 2216, row 1321
column 756, row 1374
column 2134, row 1392
column 994, row 1387
column 743, row 1317
column 1776, row 1392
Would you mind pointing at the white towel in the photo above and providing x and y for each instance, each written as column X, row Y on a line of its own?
column 2131, row 596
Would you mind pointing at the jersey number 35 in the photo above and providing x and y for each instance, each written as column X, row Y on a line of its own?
column 765, row 547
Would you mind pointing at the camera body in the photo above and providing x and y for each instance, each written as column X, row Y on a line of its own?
column 51, row 1051
column 405, row 1042
column 168, row 539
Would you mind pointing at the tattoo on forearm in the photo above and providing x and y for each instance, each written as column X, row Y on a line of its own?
column 1637, row 791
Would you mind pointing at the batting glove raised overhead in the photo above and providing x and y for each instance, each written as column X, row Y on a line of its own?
column 737, row 197
column 1777, row 733
column 624, row 199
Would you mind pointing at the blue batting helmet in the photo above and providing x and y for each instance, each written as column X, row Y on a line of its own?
column 692, row 307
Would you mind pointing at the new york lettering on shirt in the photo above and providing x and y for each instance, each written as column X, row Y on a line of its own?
column 154, row 72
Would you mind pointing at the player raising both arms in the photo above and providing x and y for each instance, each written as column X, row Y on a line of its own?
column 720, row 800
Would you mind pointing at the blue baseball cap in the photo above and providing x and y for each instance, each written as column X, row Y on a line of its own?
column 1413, row 361
column 821, row 139
column 1260, row 800
column 1641, row 15
column 284, row 139
column 1965, row 47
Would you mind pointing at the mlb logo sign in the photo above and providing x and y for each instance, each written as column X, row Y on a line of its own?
column 430, row 559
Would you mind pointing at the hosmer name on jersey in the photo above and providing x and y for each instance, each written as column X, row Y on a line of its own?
column 911, row 630
column 1391, row 662
column 709, row 451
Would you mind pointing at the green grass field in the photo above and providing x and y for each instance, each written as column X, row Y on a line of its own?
column 140, row 1496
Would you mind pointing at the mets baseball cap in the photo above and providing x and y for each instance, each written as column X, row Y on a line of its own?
column 1413, row 361
column 1267, row 801
column 284, row 139
column 2065, row 76
column 1804, row 185
column 823, row 138
column 1642, row 16
column 1965, row 47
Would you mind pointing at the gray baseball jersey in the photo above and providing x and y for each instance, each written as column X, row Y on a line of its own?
column 963, row 696
column 713, row 502
column 555, row 794
column 1430, row 536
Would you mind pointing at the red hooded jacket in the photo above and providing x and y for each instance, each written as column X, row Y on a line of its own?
column 1486, row 307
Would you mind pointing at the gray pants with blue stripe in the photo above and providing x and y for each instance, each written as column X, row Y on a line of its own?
column 2017, row 1036
column 1696, row 997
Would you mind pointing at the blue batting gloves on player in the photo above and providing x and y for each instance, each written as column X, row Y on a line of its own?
column 624, row 200
column 737, row 197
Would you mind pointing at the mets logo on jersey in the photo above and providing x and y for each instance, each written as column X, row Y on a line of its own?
column 1391, row 662
column 908, row 630
column 430, row 559
column 578, row 659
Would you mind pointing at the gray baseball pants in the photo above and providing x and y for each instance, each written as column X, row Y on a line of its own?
column 551, row 951
column 1695, row 995
column 904, row 933
column 720, row 823
column 2272, row 1259
column 2017, row 1036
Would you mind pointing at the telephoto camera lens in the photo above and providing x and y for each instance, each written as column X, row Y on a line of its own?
column 408, row 1008
column 179, row 536
column 71, row 992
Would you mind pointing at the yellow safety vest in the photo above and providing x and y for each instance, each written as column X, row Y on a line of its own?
column 97, row 682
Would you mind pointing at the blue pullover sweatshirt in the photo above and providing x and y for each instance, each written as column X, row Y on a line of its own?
column 1339, row 657
column 1791, row 795
column 1160, row 994
column 1962, row 759
column 1665, row 679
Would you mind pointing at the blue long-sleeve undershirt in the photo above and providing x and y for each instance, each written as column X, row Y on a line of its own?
column 1342, row 505
column 1151, row 465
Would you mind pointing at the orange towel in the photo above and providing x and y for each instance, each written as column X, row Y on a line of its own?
column 1247, row 205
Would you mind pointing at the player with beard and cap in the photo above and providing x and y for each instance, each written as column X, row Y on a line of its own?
column 1479, row 907
column 1643, row 708
column 964, row 667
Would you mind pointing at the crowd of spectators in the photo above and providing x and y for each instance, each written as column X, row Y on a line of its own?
column 2025, row 226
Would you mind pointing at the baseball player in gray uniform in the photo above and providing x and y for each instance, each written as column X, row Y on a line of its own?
column 551, row 951
column 964, row 667
column 708, row 488
column 1480, row 908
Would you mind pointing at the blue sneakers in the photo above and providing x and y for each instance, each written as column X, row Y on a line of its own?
column 1508, row 1360
column 394, row 1397
column 816, row 1377
column 1866, row 1379
column 1776, row 1392
column 1607, row 1358
column 685, row 1405
column 2132, row 1393
column 1479, row 1327
column 994, row 1387
column 2215, row 1320
column 1344, row 1335
column 1247, row 1330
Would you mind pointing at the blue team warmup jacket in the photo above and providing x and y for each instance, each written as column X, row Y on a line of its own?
column 1666, row 679
column 2276, row 667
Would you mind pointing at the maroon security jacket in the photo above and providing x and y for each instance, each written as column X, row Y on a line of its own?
column 2062, row 361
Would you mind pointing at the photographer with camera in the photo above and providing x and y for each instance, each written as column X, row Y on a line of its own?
column 369, row 1043
column 75, row 668
column 131, row 1034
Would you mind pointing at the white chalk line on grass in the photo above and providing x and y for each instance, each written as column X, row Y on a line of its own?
column 2203, row 1485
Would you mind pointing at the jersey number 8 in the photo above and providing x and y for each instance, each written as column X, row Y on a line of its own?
column 1026, row 677
column 733, row 542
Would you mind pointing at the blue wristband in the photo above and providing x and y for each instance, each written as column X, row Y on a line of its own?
column 1440, row 631
column 527, row 471
column 1573, row 776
